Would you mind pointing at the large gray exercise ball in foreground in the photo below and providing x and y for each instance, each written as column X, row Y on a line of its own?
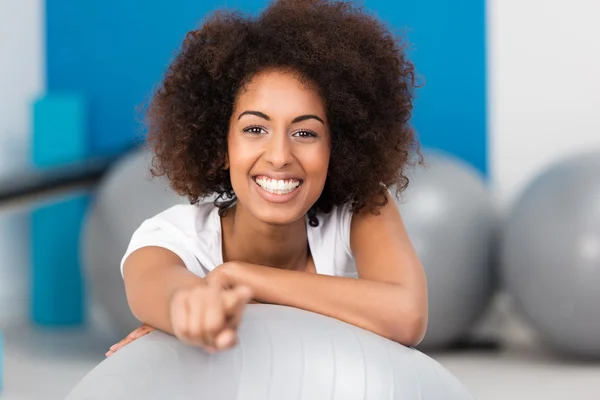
column 282, row 353
column 123, row 200
column 452, row 222
column 551, row 255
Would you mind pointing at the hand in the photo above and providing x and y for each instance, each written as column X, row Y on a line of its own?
column 208, row 316
column 226, row 274
column 136, row 334
column 229, row 274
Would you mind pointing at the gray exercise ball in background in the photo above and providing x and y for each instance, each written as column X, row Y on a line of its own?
column 123, row 200
column 551, row 255
column 453, row 224
column 283, row 353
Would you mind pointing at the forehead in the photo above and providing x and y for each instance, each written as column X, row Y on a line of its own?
column 280, row 93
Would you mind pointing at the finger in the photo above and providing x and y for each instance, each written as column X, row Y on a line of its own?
column 121, row 344
column 139, row 332
column 118, row 345
column 179, row 316
column 209, row 349
column 146, row 329
column 234, row 319
column 245, row 293
column 133, row 334
column 238, row 300
column 214, row 314
column 127, row 339
column 226, row 339
column 196, row 306
column 115, row 348
column 236, row 296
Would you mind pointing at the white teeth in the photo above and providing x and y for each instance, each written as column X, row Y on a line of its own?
column 277, row 186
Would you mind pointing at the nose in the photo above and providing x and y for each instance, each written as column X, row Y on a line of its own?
column 278, row 150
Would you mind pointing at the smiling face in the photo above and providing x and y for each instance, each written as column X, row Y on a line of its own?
column 278, row 148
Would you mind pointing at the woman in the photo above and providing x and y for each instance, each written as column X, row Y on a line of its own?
column 297, row 120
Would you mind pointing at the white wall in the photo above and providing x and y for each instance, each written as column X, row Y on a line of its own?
column 543, row 104
column 22, row 51
column 544, row 82
column 22, row 67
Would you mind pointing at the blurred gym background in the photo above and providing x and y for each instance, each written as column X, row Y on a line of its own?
column 507, row 218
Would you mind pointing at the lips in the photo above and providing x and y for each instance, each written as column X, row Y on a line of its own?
column 277, row 186
column 277, row 190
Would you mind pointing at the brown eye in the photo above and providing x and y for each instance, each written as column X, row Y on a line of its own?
column 305, row 134
column 255, row 130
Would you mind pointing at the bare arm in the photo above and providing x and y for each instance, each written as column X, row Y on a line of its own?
column 389, row 298
column 163, row 294
column 152, row 277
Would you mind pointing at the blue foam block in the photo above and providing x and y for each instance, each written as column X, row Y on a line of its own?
column 60, row 134
column 57, row 281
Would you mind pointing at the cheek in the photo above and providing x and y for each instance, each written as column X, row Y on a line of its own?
column 238, row 169
column 316, row 163
column 240, row 158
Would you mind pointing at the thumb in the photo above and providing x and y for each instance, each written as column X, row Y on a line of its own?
column 234, row 298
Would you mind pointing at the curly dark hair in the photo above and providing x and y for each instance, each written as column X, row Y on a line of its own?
column 358, row 65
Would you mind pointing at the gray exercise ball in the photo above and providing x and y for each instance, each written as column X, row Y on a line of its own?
column 123, row 200
column 551, row 255
column 282, row 353
column 452, row 222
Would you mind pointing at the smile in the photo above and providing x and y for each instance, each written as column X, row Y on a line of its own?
column 277, row 186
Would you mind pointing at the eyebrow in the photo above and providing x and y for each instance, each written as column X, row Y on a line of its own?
column 295, row 120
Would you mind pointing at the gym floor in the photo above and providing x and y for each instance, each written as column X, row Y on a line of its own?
column 47, row 363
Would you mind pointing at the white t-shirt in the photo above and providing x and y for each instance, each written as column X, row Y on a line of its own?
column 193, row 232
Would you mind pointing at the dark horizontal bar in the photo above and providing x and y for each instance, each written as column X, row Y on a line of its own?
column 38, row 182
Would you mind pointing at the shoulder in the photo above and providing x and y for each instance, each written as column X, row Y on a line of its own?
column 349, row 226
column 189, row 224
column 188, row 230
column 184, row 216
column 183, row 212
column 199, row 210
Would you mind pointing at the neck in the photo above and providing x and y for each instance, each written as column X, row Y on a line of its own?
column 247, row 240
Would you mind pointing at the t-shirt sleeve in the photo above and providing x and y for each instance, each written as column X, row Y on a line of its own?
column 158, row 233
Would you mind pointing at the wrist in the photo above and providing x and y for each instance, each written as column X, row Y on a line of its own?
column 229, row 273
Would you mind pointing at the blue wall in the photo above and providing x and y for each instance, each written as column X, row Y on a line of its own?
column 448, row 48
column 114, row 52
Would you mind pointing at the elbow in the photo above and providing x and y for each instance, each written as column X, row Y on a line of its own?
column 135, row 301
column 413, row 333
column 410, row 330
column 134, row 307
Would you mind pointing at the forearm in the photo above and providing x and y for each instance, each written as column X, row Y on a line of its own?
column 151, row 280
column 383, row 308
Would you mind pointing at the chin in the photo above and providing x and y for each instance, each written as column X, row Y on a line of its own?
column 278, row 208
column 282, row 208
column 278, row 217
